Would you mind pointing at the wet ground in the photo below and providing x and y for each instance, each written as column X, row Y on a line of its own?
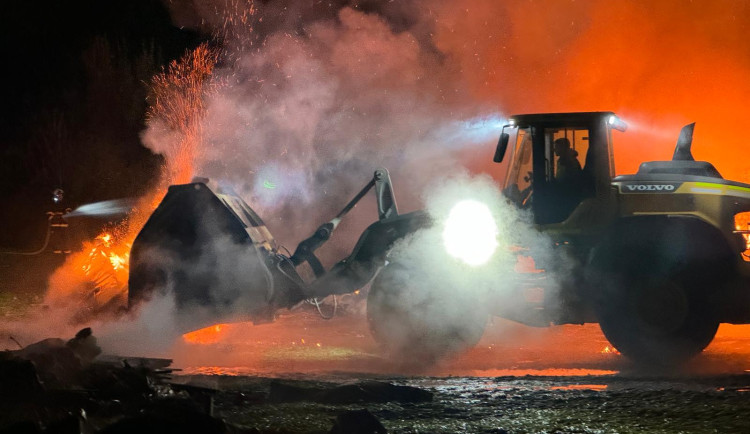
column 517, row 379
column 590, row 404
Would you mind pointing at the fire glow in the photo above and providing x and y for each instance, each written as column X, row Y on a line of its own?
column 177, row 102
column 117, row 254
column 208, row 335
column 742, row 225
column 178, row 106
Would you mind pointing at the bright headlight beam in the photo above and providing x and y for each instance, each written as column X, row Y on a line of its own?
column 470, row 232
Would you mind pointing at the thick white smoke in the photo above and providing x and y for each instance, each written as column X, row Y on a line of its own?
column 299, row 118
column 439, row 292
column 305, row 114
column 302, row 121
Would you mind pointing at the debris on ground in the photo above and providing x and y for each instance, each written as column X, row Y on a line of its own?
column 357, row 422
column 59, row 386
column 367, row 391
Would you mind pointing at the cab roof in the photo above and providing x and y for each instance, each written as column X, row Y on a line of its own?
column 560, row 118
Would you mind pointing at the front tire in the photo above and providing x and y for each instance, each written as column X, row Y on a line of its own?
column 416, row 320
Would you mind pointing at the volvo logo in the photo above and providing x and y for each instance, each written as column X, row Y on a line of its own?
column 642, row 188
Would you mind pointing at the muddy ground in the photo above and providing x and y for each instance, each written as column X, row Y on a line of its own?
column 299, row 374
column 590, row 404
column 518, row 379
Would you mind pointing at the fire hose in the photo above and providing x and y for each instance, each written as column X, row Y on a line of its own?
column 50, row 225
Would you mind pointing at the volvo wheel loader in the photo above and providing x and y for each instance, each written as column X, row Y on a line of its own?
column 655, row 258
column 658, row 257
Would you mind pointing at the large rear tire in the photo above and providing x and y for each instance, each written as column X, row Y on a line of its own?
column 664, row 323
column 415, row 320
column 657, row 288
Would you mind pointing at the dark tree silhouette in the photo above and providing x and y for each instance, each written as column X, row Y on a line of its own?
column 73, row 102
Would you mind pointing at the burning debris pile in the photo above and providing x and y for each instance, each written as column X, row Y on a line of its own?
column 93, row 281
column 102, row 267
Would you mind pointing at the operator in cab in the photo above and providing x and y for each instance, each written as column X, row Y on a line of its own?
column 568, row 168
column 568, row 181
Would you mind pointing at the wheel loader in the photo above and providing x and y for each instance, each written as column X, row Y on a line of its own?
column 655, row 257
column 659, row 260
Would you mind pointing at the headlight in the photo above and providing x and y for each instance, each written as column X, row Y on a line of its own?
column 617, row 123
column 470, row 232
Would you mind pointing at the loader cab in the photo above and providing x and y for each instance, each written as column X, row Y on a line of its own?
column 557, row 161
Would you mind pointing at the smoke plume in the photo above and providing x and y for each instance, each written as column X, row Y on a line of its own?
column 317, row 96
column 305, row 117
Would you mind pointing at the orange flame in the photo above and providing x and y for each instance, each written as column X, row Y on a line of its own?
column 98, row 274
column 208, row 335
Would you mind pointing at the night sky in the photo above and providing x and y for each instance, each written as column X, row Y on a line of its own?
column 73, row 98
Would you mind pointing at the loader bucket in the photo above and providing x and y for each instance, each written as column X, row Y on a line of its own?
column 212, row 253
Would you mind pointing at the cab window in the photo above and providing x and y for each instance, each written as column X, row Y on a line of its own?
column 565, row 152
column 519, row 178
column 568, row 177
